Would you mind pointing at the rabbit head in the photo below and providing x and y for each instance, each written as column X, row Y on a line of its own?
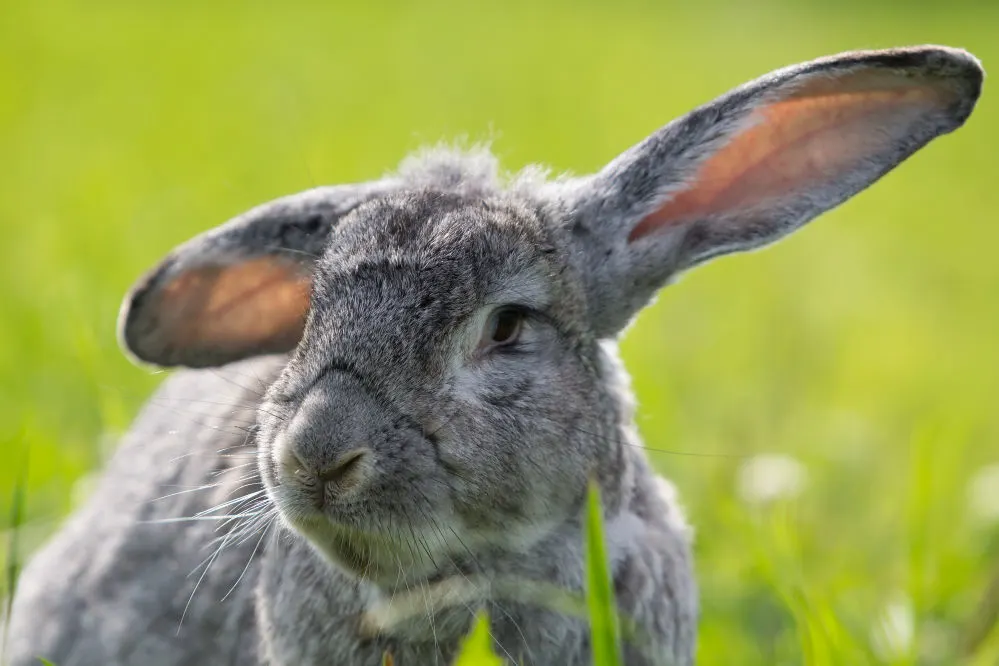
column 451, row 383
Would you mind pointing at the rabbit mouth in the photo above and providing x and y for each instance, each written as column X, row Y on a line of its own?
column 363, row 554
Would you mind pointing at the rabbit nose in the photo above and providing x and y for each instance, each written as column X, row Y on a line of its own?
column 349, row 473
column 328, row 448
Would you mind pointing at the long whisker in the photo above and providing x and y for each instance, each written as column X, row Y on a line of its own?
column 674, row 452
column 263, row 533
column 204, row 573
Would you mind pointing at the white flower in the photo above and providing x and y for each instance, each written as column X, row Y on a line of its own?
column 895, row 629
column 983, row 494
column 768, row 477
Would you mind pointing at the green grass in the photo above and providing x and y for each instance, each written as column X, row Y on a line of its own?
column 864, row 348
column 604, row 627
column 478, row 649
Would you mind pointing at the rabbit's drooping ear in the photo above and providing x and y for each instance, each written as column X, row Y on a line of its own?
column 239, row 290
column 757, row 163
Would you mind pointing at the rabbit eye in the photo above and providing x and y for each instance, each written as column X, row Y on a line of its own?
column 502, row 328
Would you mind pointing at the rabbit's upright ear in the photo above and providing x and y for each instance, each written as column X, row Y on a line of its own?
column 239, row 290
column 758, row 163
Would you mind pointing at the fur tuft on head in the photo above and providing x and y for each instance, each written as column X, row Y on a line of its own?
column 467, row 171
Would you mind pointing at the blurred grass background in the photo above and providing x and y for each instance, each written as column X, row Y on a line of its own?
column 828, row 408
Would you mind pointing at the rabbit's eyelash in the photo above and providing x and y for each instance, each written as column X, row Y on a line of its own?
column 519, row 348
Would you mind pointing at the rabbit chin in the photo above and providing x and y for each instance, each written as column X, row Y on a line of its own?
column 385, row 561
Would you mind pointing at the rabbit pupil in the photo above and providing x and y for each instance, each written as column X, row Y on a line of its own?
column 506, row 326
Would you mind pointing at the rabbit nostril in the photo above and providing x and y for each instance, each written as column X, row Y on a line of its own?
column 297, row 469
column 348, row 472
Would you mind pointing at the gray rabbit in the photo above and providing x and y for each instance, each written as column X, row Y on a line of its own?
column 398, row 392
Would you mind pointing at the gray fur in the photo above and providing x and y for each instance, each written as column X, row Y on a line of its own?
column 474, row 461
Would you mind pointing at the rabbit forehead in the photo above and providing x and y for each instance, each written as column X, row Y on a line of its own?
column 436, row 224
column 401, row 275
column 442, row 247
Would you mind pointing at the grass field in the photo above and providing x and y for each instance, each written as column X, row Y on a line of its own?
column 828, row 408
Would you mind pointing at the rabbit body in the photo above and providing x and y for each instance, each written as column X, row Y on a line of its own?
column 83, row 583
column 269, row 595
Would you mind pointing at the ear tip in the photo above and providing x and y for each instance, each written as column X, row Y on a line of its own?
column 958, row 71
column 957, row 64
column 968, row 75
column 952, row 63
column 934, row 59
column 130, row 339
column 136, row 320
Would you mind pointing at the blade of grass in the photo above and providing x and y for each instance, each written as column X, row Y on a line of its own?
column 983, row 620
column 477, row 650
column 604, row 629
column 13, row 568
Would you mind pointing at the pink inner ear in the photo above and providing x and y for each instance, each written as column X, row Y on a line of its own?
column 257, row 305
column 817, row 133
